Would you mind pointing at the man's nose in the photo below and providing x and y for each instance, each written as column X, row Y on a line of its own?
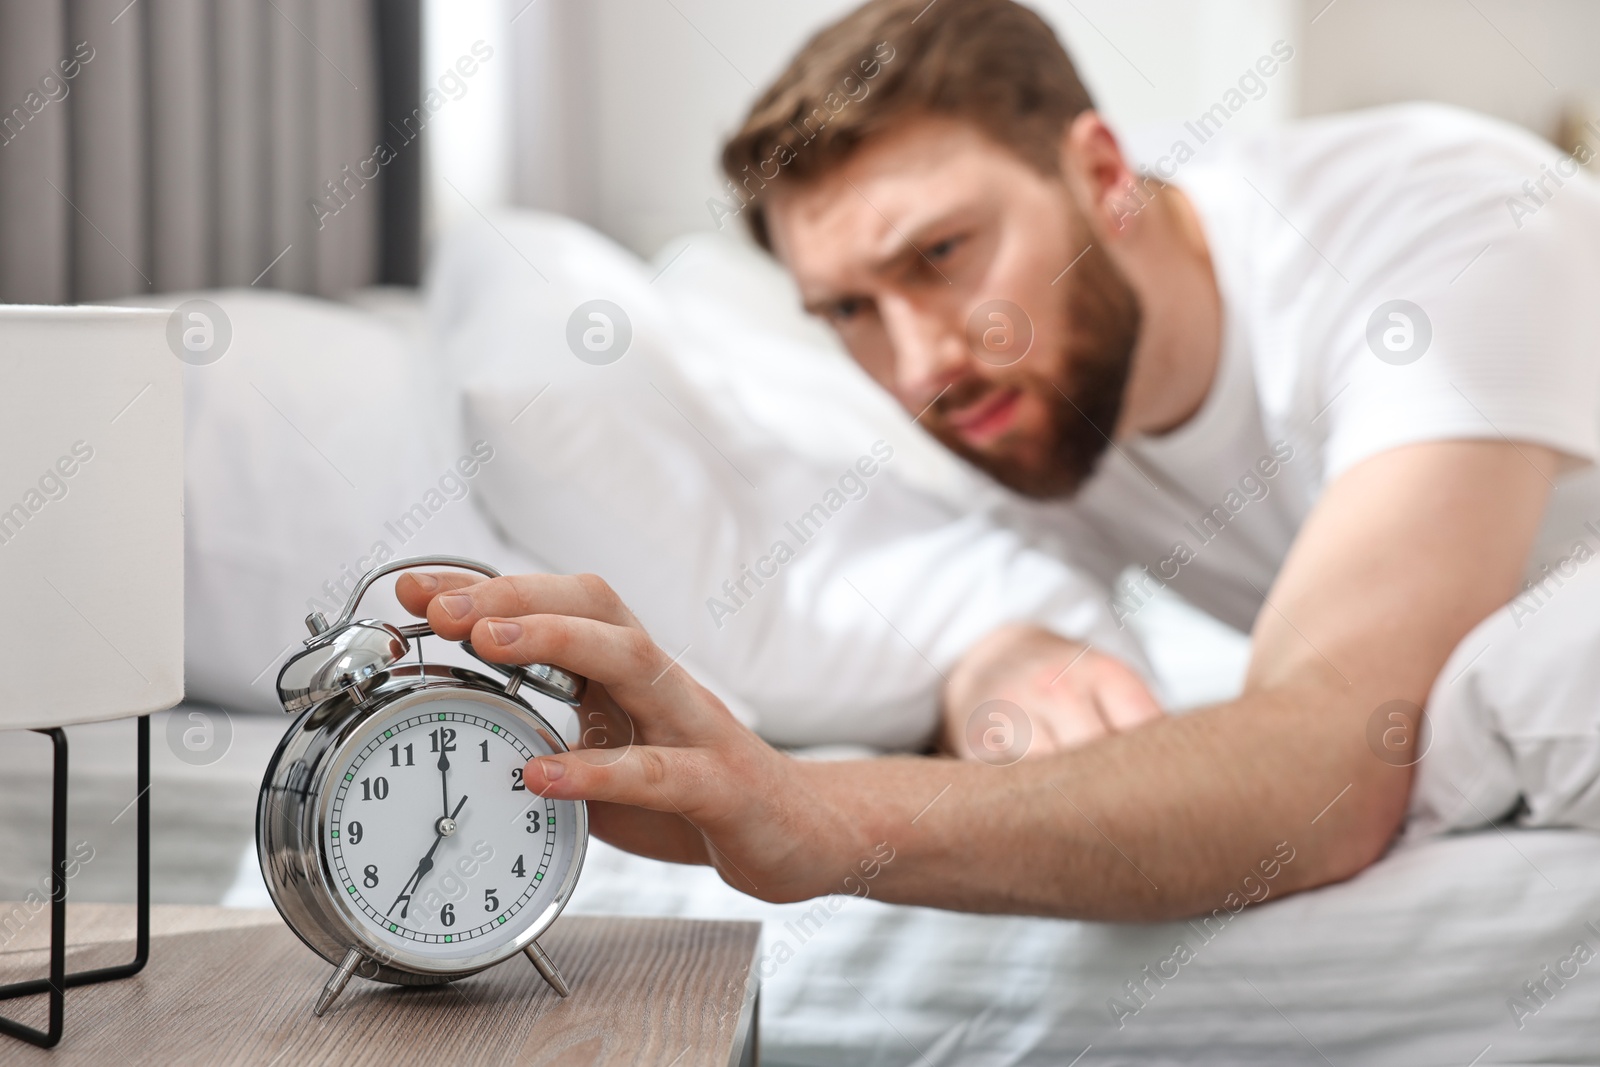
column 930, row 350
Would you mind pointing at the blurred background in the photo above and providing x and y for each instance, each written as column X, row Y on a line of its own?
column 323, row 147
column 204, row 143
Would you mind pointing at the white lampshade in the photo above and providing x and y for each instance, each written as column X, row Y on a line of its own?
column 91, row 515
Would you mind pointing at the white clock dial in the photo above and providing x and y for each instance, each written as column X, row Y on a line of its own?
column 435, row 846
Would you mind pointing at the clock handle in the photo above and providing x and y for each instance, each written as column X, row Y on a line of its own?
column 553, row 682
column 406, row 563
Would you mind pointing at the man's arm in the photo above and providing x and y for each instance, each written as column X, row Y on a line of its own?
column 1404, row 554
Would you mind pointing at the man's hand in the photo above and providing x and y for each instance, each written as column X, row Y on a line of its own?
column 668, row 771
column 1068, row 693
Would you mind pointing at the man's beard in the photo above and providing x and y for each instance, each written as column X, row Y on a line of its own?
column 1101, row 313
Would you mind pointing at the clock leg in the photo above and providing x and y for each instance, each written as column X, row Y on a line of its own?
column 547, row 968
column 336, row 983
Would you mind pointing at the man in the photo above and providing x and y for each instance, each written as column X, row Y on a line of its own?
column 1322, row 384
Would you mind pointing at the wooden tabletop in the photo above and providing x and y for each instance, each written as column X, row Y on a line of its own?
column 227, row 986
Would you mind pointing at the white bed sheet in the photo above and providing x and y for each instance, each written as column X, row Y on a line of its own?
column 1411, row 963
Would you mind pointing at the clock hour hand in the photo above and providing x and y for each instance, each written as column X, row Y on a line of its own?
column 441, row 830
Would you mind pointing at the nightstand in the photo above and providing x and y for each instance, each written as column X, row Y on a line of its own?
column 227, row 986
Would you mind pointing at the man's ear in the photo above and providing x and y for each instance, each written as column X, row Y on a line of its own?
column 1097, row 175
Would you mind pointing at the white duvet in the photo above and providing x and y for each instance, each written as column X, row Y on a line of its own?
column 1515, row 715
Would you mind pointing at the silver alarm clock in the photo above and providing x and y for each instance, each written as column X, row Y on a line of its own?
column 395, row 832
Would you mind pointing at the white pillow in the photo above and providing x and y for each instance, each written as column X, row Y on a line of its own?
column 787, row 371
column 316, row 446
column 669, row 474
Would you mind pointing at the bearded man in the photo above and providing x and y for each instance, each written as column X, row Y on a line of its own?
column 1317, row 380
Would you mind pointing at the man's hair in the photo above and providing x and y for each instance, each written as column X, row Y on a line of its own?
column 992, row 63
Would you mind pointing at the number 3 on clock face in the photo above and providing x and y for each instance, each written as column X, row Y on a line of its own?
column 436, row 848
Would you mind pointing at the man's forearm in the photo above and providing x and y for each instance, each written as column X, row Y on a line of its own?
column 1162, row 822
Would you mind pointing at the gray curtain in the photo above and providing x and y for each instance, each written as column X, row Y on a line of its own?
column 180, row 144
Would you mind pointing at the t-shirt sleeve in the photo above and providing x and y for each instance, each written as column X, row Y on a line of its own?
column 1478, row 319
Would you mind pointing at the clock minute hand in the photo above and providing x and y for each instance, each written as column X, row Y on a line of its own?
column 426, row 864
column 444, row 776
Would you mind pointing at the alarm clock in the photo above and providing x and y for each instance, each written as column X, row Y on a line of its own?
column 396, row 835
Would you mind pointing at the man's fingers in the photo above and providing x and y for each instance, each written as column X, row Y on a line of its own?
column 637, row 673
column 657, row 779
column 1043, row 741
column 414, row 589
column 1071, row 724
column 1122, row 696
column 611, row 655
column 454, row 613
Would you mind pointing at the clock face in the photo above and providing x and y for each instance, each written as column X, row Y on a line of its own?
column 436, row 848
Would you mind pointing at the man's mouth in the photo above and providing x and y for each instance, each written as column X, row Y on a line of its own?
column 986, row 418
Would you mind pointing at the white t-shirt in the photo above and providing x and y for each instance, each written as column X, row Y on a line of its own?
column 1313, row 229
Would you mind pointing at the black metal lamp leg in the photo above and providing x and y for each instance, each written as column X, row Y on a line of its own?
column 59, row 980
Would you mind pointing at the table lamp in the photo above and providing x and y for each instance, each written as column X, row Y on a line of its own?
column 91, row 559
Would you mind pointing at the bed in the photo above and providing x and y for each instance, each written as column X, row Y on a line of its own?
column 1456, row 948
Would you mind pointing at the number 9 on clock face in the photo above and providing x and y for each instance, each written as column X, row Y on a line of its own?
column 438, row 852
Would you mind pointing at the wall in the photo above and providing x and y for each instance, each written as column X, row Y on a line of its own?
column 612, row 110
column 672, row 79
column 1523, row 60
column 625, row 102
column 470, row 140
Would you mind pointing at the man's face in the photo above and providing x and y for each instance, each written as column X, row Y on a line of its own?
column 920, row 249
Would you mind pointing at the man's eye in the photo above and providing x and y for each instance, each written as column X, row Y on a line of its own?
column 942, row 249
column 846, row 309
